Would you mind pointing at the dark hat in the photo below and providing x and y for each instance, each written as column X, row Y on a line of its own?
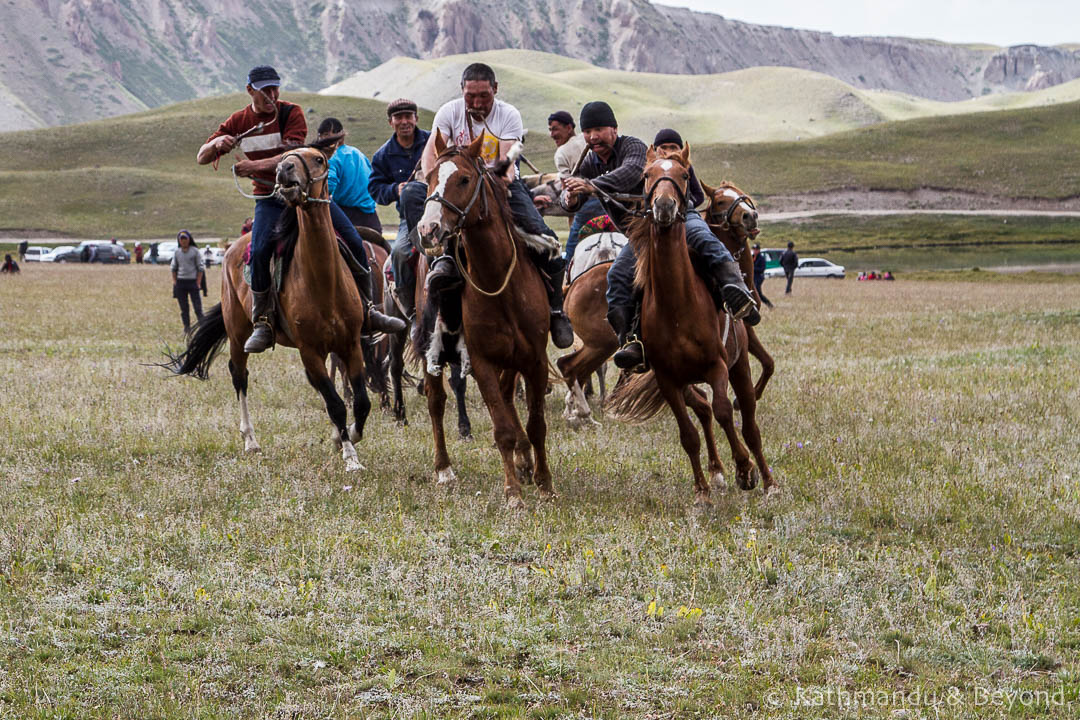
column 667, row 135
column 263, row 76
column 563, row 117
column 399, row 106
column 597, row 114
column 182, row 233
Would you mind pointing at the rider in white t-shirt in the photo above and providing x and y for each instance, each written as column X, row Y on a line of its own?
column 460, row 122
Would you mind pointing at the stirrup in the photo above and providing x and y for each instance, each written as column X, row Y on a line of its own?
column 254, row 346
column 633, row 342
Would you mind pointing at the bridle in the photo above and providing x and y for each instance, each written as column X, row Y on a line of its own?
column 680, row 216
column 725, row 217
column 305, row 194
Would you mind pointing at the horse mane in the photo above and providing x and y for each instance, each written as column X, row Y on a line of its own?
column 639, row 233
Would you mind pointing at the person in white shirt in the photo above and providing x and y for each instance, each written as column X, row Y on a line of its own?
column 460, row 122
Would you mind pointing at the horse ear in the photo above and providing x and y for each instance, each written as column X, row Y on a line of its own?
column 650, row 155
column 686, row 155
column 440, row 142
column 476, row 145
column 710, row 191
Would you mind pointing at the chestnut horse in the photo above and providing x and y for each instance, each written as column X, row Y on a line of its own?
column 686, row 340
column 732, row 216
column 319, row 308
column 504, row 311
column 585, row 302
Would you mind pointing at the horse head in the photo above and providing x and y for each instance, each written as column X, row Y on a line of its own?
column 732, row 209
column 666, row 177
column 301, row 173
column 455, row 183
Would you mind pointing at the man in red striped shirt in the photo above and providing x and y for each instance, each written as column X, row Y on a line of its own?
column 284, row 128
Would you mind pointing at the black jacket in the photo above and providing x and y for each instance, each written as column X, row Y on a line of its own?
column 789, row 260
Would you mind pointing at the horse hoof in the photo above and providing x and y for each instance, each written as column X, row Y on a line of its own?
column 353, row 465
column 515, row 503
column 702, row 499
column 251, row 447
column 548, row 494
column 445, row 476
column 354, row 436
column 773, row 492
column 749, row 480
column 465, row 434
column 718, row 483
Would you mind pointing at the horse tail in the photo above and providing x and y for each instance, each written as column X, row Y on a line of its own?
column 636, row 400
column 376, row 370
column 203, row 345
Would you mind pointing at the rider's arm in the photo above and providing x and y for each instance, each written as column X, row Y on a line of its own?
column 221, row 142
column 381, row 184
column 333, row 173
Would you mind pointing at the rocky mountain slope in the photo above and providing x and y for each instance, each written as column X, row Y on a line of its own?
column 63, row 61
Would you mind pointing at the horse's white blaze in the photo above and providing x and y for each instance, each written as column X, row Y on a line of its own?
column 348, row 453
column 666, row 165
column 445, row 476
column 246, row 428
column 432, row 210
column 728, row 192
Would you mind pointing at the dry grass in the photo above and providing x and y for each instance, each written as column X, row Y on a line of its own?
column 924, row 434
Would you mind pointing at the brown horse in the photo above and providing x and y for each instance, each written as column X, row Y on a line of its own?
column 376, row 349
column 686, row 339
column 504, row 312
column 320, row 310
column 586, row 305
column 732, row 216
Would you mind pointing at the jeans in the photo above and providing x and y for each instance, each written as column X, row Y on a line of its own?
column 699, row 238
column 526, row 216
column 184, row 290
column 410, row 208
column 362, row 219
column 590, row 209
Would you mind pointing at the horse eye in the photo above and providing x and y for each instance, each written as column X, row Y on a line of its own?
column 463, row 181
column 686, row 176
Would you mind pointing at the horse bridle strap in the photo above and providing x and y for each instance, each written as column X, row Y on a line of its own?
column 305, row 196
column 726, row 217
column 682, row 197
column 462, row 213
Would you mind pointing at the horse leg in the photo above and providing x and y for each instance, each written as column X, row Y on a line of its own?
column 700, row 405
column 536, row 428
column 576, row 369
column 601, row 372
column 511, row 384
column 503, row 417
column 758, row 350
column 335, row 407
column 458, row 384
column 238, row 369
column 397, row 370
column 745, row 473
column 436, row 404
column 742, row 383
column 688, row 436
column 361, row 402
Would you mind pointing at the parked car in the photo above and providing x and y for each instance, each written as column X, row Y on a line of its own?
column 34, row 253
column 165, row 252
column 58, row 250
column 811, row 267
column 106, row 253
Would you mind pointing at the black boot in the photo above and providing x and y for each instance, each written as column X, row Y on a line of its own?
column 444, row 275
column 736, row 298
column 631, row 354
column 262, row 337
column 562, row 332
column 376, row 321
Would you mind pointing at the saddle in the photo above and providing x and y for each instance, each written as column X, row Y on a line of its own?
column 599, row 248
column 282, row 258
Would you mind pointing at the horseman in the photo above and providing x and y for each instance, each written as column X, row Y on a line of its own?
column 265, row 130
column 570, row 152
column 393, row 168
column 615, row 164
column 463, row 120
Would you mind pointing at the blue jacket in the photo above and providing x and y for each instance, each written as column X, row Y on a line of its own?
column 393, row 165
column 348, row 179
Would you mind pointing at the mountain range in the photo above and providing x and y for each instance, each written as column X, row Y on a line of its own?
column 65, row 61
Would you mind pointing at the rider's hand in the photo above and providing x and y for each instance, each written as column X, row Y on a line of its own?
column 225, row 144
column 541, row 201
column 245, row 168
column 400, row 187
column 575, row 186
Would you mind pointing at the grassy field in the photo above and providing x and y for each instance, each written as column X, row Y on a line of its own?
column 921, row 562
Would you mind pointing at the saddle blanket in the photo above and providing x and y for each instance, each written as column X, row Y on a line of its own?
column 592, row 251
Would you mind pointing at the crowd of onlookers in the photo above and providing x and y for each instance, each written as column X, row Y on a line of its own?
column 875, row 275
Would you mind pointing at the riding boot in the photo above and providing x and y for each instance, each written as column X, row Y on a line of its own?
column 728, row 279
column 444, row 275
column 262, row 337
column 625, row 321
column 562, row 332
column 376, row 321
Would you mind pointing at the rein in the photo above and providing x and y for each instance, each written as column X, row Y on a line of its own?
column 304, row 196
column 681, row 214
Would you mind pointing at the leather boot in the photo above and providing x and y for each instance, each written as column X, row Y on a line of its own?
column 376, row 321
column 631, row 355
column 562, row 332
column 444, row 275
column 737, row 299
column 262, row 337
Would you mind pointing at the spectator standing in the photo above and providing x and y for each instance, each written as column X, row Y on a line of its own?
column 138, row 253
column 23, row 246
column 759, row 273
column 188, row 270
column 789, row 260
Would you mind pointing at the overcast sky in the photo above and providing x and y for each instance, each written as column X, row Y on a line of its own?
column 996, row 22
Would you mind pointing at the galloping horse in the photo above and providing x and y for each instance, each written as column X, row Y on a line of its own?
column 586, row 305
column 504, row 312
column 685, row 339
column 320, row 310
column 732, row 216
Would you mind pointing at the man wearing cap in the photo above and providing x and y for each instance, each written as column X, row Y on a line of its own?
column 348, row 174
column 616, row 164
column 463, row 120
column 283, row 128
column 393, row 167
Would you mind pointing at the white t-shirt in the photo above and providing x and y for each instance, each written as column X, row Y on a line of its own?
column 567, row 155
column 458, row 128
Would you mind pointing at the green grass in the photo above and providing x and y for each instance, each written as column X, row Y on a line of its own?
column 927, row 536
